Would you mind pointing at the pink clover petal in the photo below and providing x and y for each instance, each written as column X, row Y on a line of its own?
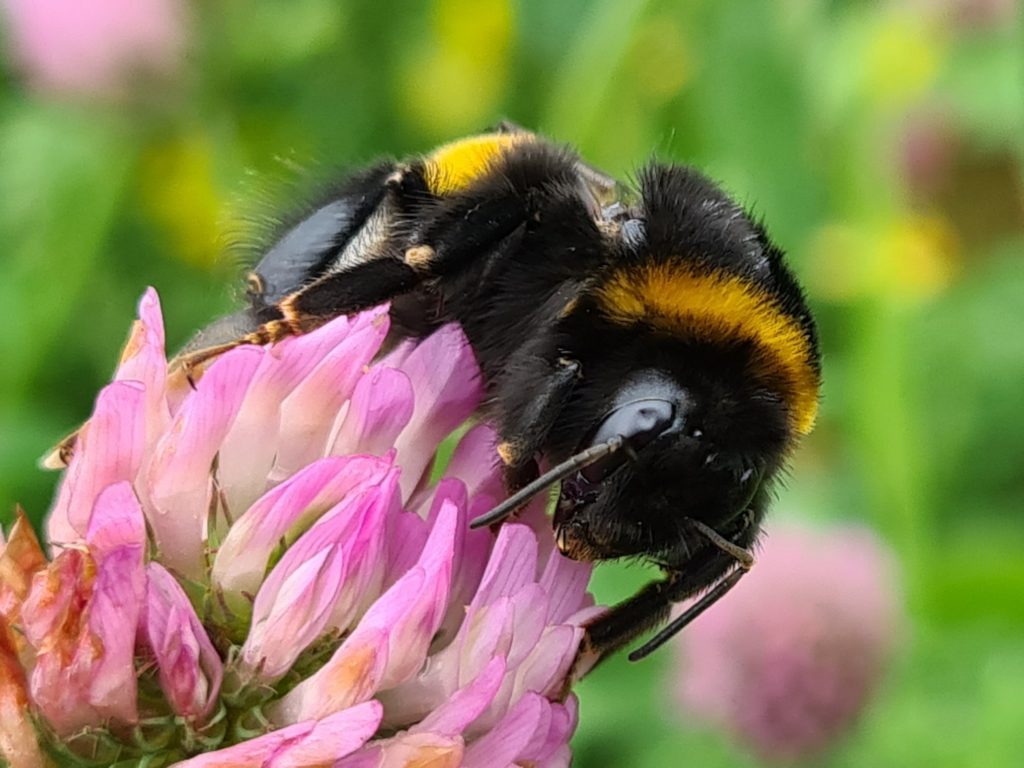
column 390, row 642
column 486, row 635
column 451, row 490
column 513, row 736
column 178, row 476
column 529, row 605
column 445, row 397
column 379, row 410
column 116, row 521
column 538, row 672
column 546, row 666
column 475, row 462
column 565, row 582
column 309, row 744
column 247, row 453
column 308, row 412
column 144, row 361
column 366, row 549
column 350, row 677
column 488, row 632
column 87, row 677
column 243, row 555
column 113, row 618
column 406, row 750
column 291, row 612
column 413, row 627
column 406, row 536
column 190, row 668
column 332, row 738
column 512, row 566
column 456, row 715
column 560, row 758
column 109, row 449
column 179, row 673
column 254, row 753
column 56, row 596
column 52, row 591
column 553, row 749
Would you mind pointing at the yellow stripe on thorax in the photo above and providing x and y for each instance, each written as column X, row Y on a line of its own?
column 715, row 307
column 453, row 167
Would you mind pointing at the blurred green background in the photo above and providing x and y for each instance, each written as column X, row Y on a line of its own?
column 882, row 142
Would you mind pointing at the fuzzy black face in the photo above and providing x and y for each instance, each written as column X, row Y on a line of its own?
column 701, row 442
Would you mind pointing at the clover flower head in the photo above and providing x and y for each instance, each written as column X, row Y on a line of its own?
column 792, row 656
column 258, row 570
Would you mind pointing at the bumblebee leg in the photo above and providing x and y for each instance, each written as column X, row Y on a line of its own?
column 191, row 359
column 651, row 607
column 527, row 430
column 464, row 230
column 222, row 331
column 361, row 287
column 681, row 621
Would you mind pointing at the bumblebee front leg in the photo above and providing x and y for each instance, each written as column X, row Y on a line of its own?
column 651, row 607
column 527, row 428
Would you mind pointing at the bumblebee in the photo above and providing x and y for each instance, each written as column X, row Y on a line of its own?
column 656, row 358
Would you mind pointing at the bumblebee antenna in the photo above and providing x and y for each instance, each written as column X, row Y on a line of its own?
column 549, row 478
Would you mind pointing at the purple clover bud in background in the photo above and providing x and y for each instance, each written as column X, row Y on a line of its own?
column 792, row 656
column 258, row 571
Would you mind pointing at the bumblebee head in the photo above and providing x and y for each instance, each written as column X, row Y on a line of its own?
column 702, row 357
column 696, row 447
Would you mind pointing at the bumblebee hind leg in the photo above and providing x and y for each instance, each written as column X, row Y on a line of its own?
column 205, row 346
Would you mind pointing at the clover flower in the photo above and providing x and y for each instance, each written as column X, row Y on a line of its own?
column 793, row 655
column 95, row 48
column 258, row 570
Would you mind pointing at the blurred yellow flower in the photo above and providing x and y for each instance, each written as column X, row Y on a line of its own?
column 180, row 194
column 918, row 256
column 662, row 60
column 902, row 58
column 454, row 81
column 908, row 258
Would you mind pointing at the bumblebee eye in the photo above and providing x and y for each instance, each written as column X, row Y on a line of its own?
column 639, row 423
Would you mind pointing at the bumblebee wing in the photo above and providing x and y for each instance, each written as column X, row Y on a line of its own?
column 222, row 331
column 340, row 232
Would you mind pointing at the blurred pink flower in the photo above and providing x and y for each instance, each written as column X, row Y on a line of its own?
column 926, row 152
column 971, row 15
column 95, row 47
column 792, row 656
column 259, row 572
